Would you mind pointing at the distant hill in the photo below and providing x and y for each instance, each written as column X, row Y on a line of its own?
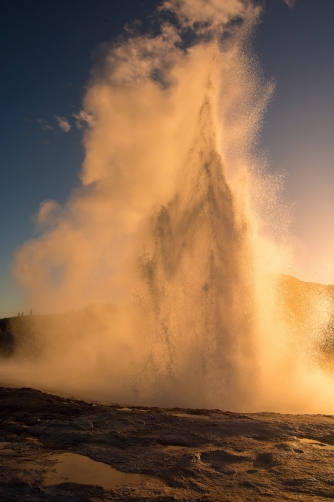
column 29, row 335
column 25, row 334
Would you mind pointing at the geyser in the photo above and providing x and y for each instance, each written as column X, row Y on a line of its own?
column 172, row 224
column 197, row 293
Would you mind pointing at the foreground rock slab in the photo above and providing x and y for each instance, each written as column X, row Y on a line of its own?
column 175, row 455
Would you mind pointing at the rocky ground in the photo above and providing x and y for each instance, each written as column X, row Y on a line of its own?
column 47, row 442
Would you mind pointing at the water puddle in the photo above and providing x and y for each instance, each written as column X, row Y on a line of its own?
column 74, row 468
column 317, row 444
column 188, row 415
column 175, row 447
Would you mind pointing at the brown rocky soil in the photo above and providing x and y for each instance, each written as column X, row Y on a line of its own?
column 186, row 455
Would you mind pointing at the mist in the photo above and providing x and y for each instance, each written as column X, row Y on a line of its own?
column 160, row 271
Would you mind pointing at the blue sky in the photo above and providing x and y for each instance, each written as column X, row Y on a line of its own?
column 47, row 54
column 46, row 57
column 295, row 47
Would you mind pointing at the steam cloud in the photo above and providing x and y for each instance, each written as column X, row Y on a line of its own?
column 63, row 123
column 140, row 113
column 290, row 3
column 167, row 226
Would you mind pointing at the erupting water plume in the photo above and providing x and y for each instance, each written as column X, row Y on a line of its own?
column 173, row 226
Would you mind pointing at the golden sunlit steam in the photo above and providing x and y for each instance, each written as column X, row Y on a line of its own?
column 167, row 253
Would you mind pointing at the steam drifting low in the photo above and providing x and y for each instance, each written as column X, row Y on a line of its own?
column 171, row 236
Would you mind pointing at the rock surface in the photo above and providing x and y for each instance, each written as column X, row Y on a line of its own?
column 193, row 455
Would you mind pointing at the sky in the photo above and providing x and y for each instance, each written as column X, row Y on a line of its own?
column 48, row 51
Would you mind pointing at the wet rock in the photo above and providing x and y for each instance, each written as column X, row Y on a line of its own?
column 186, row 455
